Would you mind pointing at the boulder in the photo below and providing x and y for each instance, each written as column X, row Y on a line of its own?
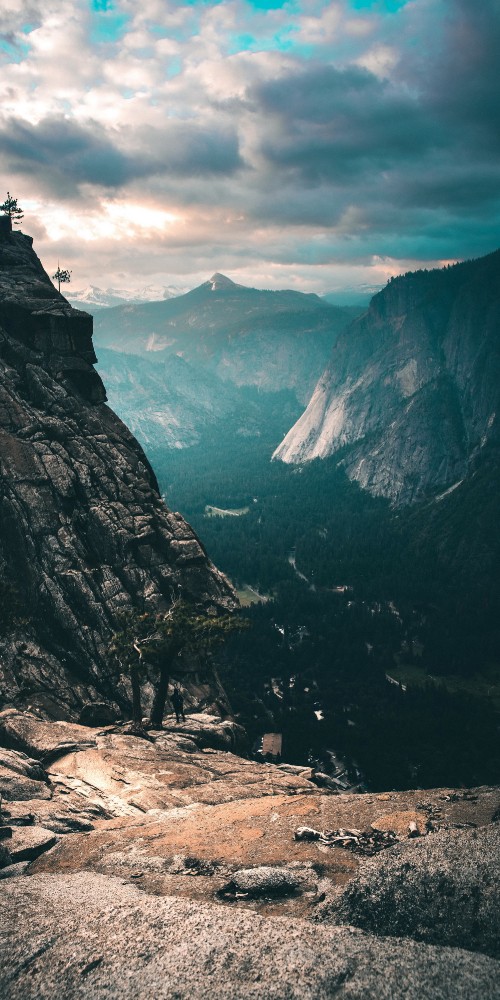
column 209, row 731
column 62, row 813
column 22, row 764
column 443, row 889
column 106, row 939
column 21, row 777
column 14, row 870
column 28, row 842
column 265, row 881
column 44, row 740
column 98, row 713
column 15, row 786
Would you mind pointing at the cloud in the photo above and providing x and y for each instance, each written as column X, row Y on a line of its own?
column 310, row 134
column 192, row 149
column 462, row 85
column 65, row 155
column 62, row 151
column 16, row 13
column 338, row 125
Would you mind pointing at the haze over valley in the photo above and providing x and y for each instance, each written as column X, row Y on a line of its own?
column 393, row 582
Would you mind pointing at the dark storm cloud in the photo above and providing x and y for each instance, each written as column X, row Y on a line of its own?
column 461, row 86
column 67, row 154
column 463, row 189
column 186, row 148
column 382, row 155
column 339, row 124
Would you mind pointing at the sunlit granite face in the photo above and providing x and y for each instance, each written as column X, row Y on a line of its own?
column 412, row 387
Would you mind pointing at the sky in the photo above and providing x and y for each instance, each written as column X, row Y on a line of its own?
column 300, row 144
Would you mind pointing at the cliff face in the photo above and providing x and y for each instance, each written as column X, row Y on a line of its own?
column 413, row 386
column 84, row 533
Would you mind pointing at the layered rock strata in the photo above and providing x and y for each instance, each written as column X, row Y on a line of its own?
column 84, row 532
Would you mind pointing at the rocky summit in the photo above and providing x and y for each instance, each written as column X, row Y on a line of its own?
column 412, row 387
column 84, row 532
column 176, row 868
column 272, row 340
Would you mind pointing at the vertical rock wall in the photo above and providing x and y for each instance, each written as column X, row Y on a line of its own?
column 84, row 533
column 413, row 386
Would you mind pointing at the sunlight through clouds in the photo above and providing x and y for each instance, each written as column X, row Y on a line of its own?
column 113, row 220
column 369, row 128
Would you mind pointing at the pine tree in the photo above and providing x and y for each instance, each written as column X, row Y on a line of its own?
column 12, row 209
column 160, row 638
column 62, row 276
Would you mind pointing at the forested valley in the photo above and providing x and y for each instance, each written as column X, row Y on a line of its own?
column 374, row 631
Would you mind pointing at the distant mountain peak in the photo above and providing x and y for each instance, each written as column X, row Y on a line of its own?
column 220, row 281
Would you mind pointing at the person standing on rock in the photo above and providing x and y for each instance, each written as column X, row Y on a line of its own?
column 178, row 703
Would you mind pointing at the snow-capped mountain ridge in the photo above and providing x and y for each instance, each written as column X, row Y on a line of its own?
column 105, row 298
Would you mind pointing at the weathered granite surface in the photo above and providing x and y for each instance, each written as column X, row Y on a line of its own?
column 170, row 868
column 443, row 889
column 84, row 532
column 100, row 938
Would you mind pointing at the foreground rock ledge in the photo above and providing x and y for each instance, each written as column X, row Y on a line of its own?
column 91, row 936
column 170, row 868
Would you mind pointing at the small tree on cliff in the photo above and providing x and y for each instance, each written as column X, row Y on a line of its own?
column 187, row 629
column 62, row 276
column 159, row 639
column 12, row 209
column 128, row 647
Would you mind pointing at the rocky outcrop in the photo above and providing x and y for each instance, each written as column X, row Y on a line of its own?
column 85, row 534
column 171, row 868
column 105, row 939
column 442, row 889
column 412, row 388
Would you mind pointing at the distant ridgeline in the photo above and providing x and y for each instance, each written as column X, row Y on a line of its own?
column 220, row 356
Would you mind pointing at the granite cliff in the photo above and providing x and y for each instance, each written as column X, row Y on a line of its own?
column 412, row 387
column 84, row 532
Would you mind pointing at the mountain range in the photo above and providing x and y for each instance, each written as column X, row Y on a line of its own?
column 94, row 298
column 245, row 336
column 405, row 391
